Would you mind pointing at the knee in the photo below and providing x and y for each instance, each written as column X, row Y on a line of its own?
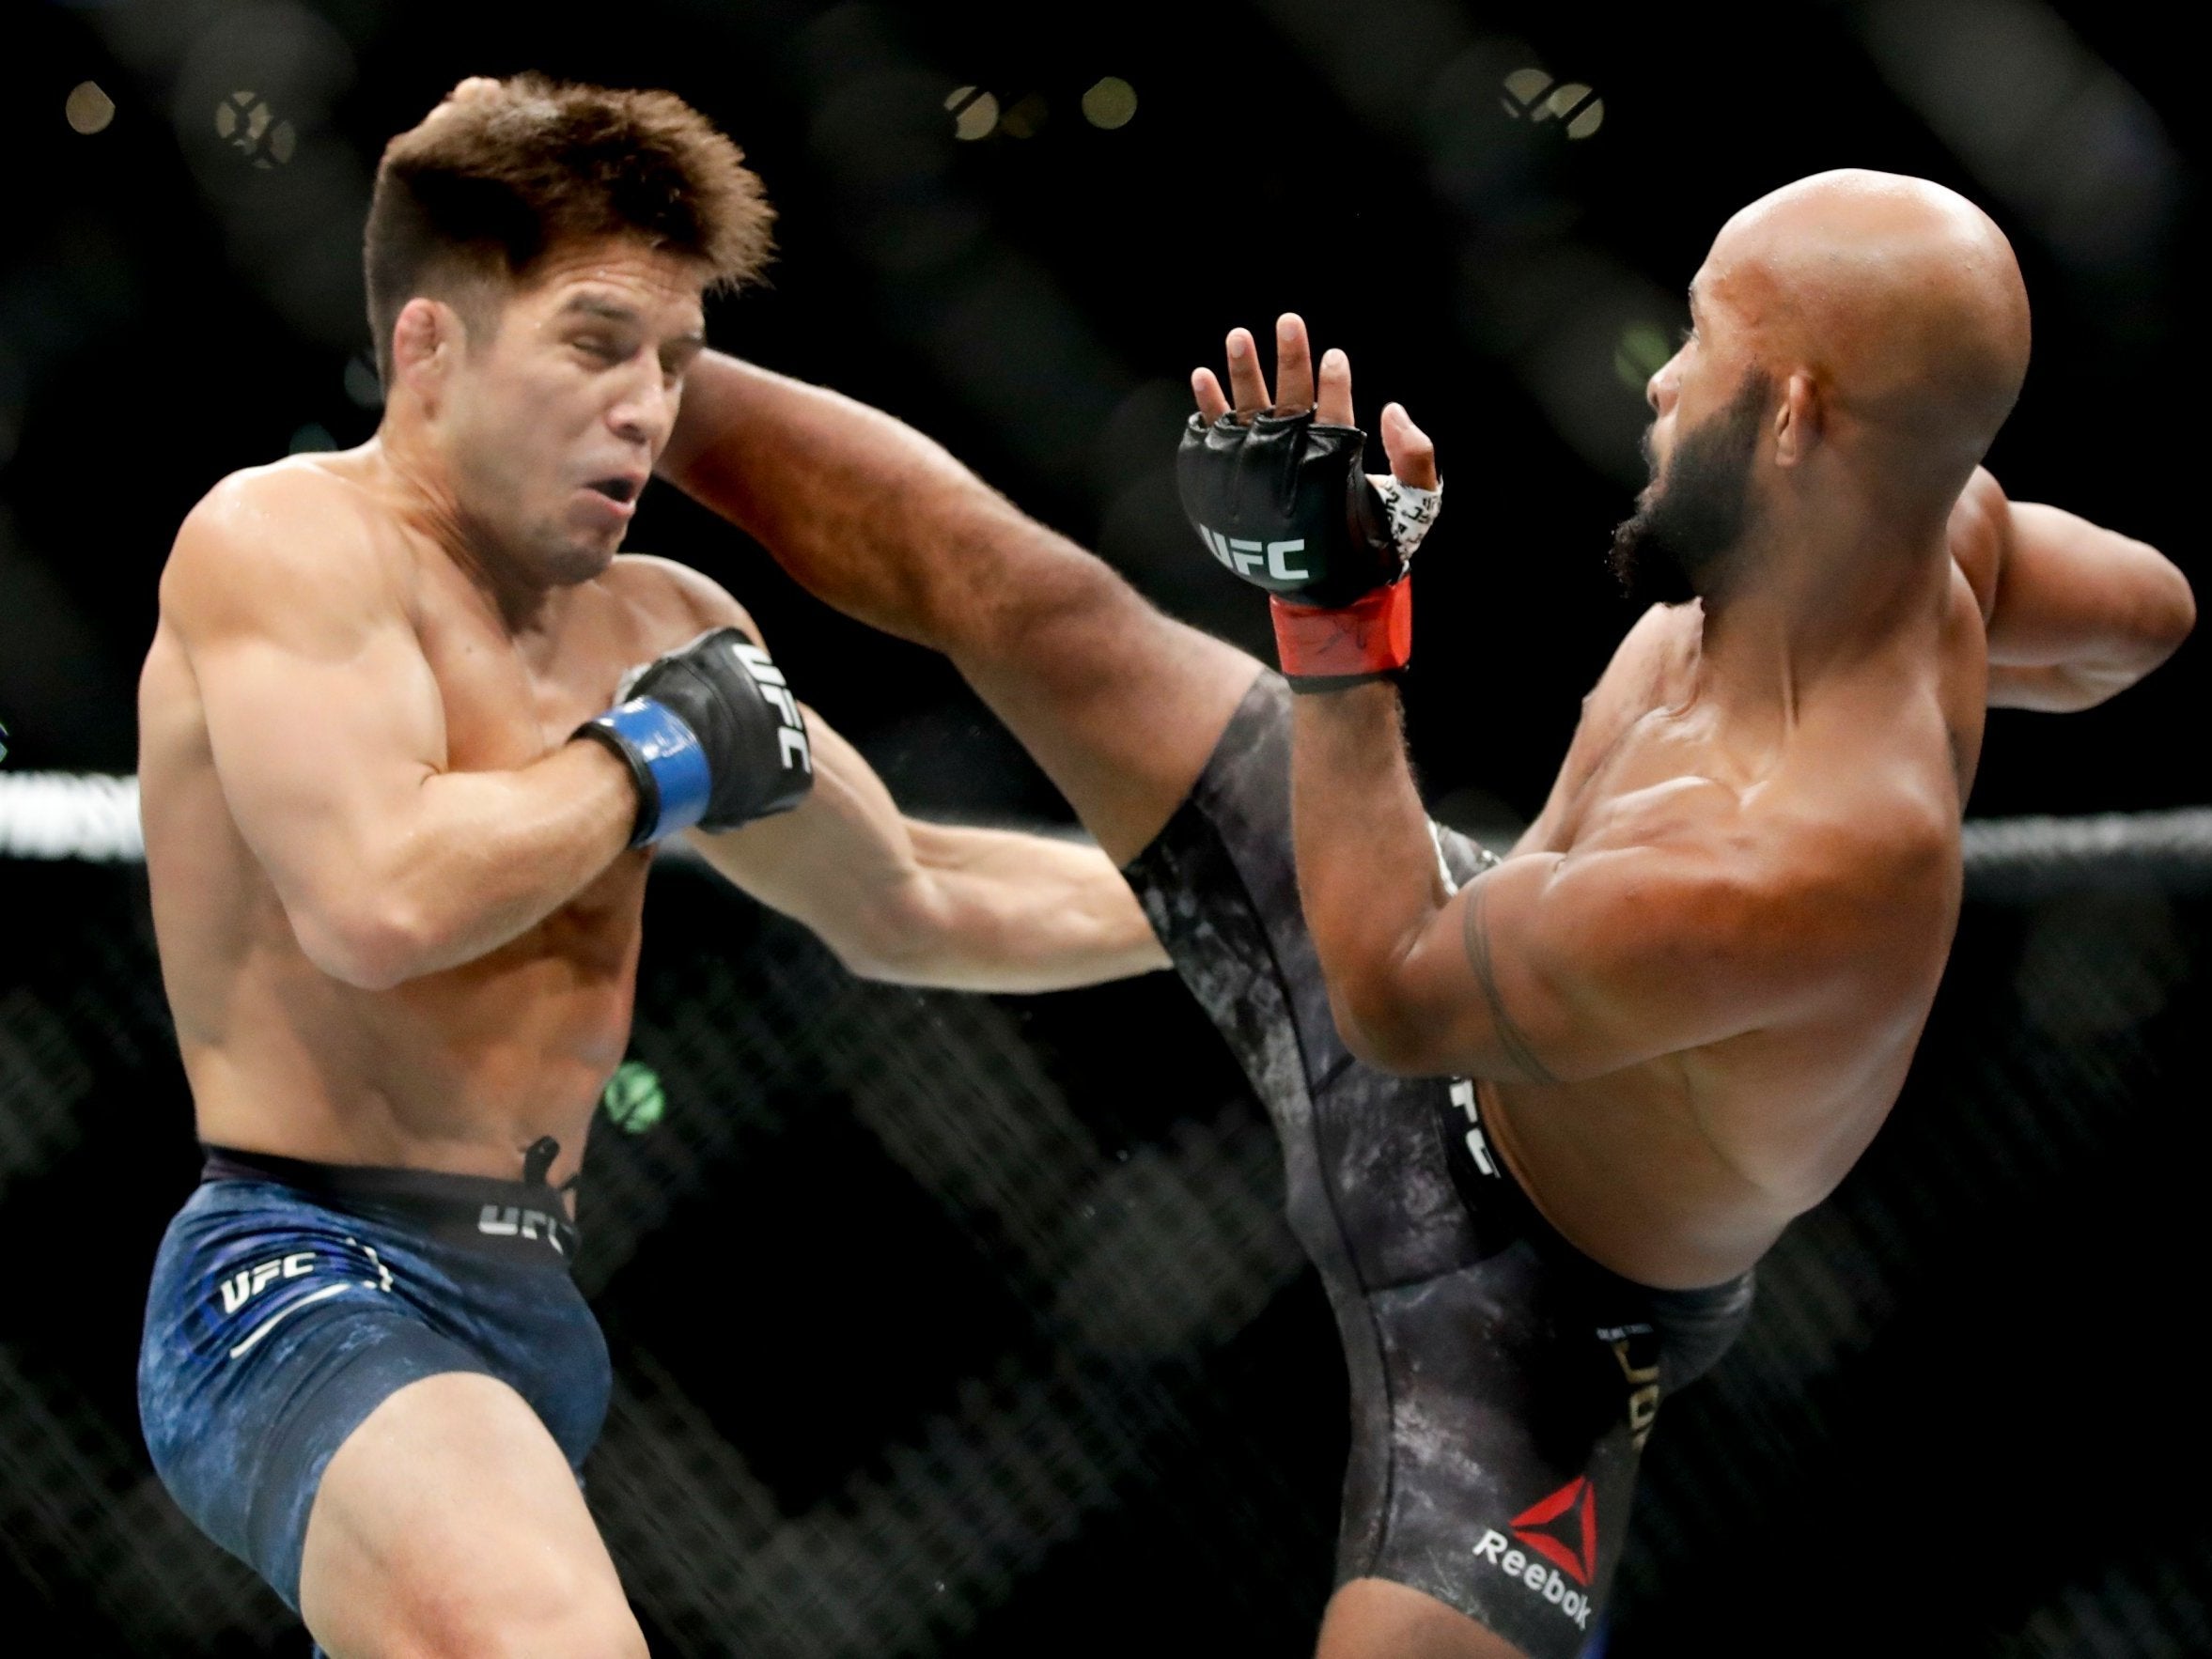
column 579, row 1624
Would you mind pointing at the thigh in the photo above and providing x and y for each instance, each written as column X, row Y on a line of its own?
column 450, row 1522
column 1374, row 1619
column 1120, row 705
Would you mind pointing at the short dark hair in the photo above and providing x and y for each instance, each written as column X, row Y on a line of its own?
column 503, row 171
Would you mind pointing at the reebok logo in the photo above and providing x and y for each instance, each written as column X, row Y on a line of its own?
column 791, row 741
column 1560, row 1533
column 1243, row 557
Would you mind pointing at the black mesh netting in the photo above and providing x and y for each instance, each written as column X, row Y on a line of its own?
column 953, row 1325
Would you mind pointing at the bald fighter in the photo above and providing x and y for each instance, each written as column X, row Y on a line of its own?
column 401, row 785
column 1541, row 1114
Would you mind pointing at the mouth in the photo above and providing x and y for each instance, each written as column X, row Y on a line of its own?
column 622, row 491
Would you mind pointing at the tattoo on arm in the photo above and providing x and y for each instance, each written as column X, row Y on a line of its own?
column 1475, row 931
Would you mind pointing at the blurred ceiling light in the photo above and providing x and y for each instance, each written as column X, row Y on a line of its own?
column 253, row 128
column 313, row 437
column 1025, row 117
column 362, row 384
column 1531, row 93
column 1109, row 104
column 975, row 113
column 1643, row 353
column 88, row 109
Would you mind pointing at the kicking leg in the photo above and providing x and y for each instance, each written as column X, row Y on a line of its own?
column 1374, row 1619
column 1120, row 705
column 450, row 1524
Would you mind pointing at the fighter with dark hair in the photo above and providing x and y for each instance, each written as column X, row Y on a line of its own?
column 398, row 816
column 1542, row 1113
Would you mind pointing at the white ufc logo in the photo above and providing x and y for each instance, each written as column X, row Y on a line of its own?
column 791, row 741
column 1244, row 557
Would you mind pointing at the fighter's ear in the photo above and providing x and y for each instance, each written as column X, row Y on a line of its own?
column 1797, row 421
column 426, row 342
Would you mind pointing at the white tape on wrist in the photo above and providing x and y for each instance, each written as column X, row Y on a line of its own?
column 1412, row 510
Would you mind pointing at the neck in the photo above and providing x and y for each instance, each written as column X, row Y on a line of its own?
column 1816, row 596
column 423, row 496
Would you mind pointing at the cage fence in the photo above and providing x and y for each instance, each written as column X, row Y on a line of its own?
column 950, row 1325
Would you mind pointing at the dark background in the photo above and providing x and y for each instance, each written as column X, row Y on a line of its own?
column 1015, row 1357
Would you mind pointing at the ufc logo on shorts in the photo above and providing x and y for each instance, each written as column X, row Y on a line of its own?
column 510, row 1221
column 1244, row 557
column 1477, row 1147
column 242, row 1288
column 791, row 741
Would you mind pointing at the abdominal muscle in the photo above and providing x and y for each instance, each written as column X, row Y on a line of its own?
column 458, row 1071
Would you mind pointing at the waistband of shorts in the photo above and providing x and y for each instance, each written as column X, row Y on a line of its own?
column 513, row 1220
column 1501, row 1208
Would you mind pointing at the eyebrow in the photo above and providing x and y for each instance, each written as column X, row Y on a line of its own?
column 610, row 311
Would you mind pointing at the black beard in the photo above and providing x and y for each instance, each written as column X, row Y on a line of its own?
column 1676, row 545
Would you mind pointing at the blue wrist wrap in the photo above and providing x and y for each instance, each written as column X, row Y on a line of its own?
column 656, row 737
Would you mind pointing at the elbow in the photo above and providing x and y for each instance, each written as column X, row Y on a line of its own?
column 894, row 938
column 2173, row 615
column 369, row 946
column 1374, row 1029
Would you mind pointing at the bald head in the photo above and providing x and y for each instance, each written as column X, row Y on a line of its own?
column 1901, row 300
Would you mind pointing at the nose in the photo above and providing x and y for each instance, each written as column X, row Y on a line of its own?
column 1664, row 385
column 646, row 412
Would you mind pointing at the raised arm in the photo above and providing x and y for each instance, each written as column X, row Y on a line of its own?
column 1663, row 934
column 328, row 736
column 2075, row 612
column 918, row 903
column 926, row 903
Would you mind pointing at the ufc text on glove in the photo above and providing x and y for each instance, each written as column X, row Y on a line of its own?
column 1281, row 502
column 711, row 736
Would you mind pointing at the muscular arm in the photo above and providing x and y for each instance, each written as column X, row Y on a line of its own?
column 2074, row 612
column 935, row 905
column 1550, row 967
column 328, row 738
column 916, row 903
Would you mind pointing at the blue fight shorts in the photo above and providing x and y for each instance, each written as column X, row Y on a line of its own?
column 290, row 1299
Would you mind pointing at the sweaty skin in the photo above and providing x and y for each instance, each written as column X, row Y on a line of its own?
column 1692, row 993
column 397, row 922
column 1768, row 792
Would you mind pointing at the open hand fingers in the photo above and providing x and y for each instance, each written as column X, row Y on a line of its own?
column 1294, row 363
column 1213, row 402
column 1335, row 404
column 1412, row 455
column 1248, row 385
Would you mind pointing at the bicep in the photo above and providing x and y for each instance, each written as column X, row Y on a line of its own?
column 2081, row 611
column 1553, row 967
column 320, row 710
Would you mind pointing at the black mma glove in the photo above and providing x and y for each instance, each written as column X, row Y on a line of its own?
column 1283, row 503
column 713, row 737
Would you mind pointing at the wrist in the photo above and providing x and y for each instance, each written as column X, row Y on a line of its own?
column 1323, row 647
column 667, row 763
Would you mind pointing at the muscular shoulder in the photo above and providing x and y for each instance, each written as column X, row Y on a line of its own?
column 1979, row 526
column 673, row 601
column 294, row 540
column 1769, row 882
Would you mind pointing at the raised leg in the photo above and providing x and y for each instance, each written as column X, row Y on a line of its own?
column 1374, row 1619
column 1120, row 705
column 450, row 1524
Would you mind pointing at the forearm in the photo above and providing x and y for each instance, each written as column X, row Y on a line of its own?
column 843, row 496
column 989, row 911
column 476, row 860
column 1367, row 871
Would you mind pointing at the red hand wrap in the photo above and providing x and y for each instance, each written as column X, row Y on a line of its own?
column 1373, row 635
